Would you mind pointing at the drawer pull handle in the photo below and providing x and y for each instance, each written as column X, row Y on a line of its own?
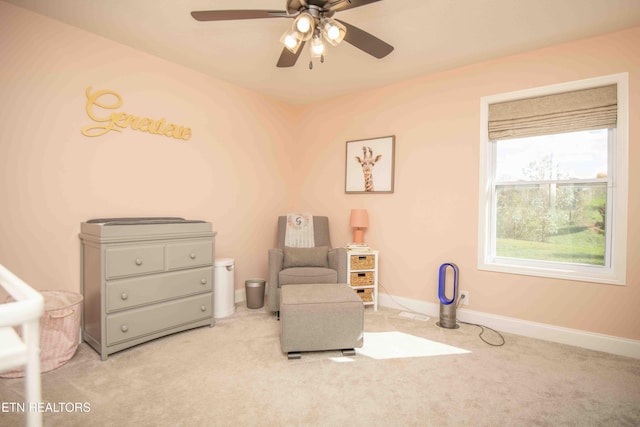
column 138, row 261
column 124, row 296
column 203, row 281
column 192, row 255
column 203, row 308
column 124, row 328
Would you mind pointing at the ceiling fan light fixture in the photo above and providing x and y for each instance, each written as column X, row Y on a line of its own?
column 317, row 47
column 291, row 41
column 333, row 31
column 309, row 19
column 304, row 25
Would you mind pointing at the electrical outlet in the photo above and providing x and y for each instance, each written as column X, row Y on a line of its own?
column 464, row 296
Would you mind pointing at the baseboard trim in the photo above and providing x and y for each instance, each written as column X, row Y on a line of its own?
column 590, row 340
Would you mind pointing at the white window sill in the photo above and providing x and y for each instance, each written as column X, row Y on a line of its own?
column 594, row 274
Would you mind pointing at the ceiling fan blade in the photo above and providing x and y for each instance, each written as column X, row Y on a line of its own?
column 338, row 5
column 293, row 6
column 288, row 59
column 365, row 41
column 230, row 15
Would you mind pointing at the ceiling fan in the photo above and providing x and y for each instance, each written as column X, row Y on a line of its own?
column 313, row 20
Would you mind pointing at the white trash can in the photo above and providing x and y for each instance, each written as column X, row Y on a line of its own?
column 224, row 292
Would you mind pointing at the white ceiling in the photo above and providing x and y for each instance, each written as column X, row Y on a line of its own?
column 428, row 36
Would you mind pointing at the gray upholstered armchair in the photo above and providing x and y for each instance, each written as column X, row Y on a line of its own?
column 292, row 266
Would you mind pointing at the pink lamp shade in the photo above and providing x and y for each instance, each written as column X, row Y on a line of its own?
column 359, row 222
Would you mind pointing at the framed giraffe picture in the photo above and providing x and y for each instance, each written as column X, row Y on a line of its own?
column 370, row 165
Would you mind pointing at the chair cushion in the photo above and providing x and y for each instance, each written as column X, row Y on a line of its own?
column 306, row 257
column 305, row 275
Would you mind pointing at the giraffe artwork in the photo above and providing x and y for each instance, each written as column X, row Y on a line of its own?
column 361, row 156
column 367, row 162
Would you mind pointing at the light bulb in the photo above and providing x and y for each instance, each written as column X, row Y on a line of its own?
column 333, row 33
column 304, row 24
column 290, row 41
column 317, row 47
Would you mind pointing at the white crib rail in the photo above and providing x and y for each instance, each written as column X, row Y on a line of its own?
column 15, row 352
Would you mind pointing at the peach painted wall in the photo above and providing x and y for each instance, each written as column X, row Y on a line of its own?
column 233, row 172
column 246, row 164
column 432, row 217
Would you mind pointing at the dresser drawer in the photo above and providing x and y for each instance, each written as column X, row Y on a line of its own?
column 134, row 260
column 128, row 293
column 143, row 321
column 189, row 254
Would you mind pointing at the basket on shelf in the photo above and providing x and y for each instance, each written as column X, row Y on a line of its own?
column 362, row 262
column 366, row 294
column 361, row 278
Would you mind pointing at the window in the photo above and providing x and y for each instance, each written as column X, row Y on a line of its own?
column 553, row 184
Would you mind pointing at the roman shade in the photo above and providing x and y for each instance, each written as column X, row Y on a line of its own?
column 586, row 109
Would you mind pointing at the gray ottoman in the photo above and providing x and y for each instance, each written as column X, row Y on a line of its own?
column 317, row 317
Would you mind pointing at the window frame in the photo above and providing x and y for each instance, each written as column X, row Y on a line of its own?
column 615, row 271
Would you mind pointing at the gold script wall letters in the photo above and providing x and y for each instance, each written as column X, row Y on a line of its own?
column 120, row 120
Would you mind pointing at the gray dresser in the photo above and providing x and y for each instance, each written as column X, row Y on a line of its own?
column 143, row 278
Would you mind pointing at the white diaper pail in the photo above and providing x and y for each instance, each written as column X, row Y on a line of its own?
column 224, row 292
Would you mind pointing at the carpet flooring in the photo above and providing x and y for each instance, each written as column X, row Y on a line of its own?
column 235, row 374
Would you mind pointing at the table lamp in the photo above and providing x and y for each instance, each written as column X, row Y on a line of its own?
column 359, row 222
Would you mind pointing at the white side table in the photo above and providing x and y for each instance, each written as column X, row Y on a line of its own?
column 362, row 275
